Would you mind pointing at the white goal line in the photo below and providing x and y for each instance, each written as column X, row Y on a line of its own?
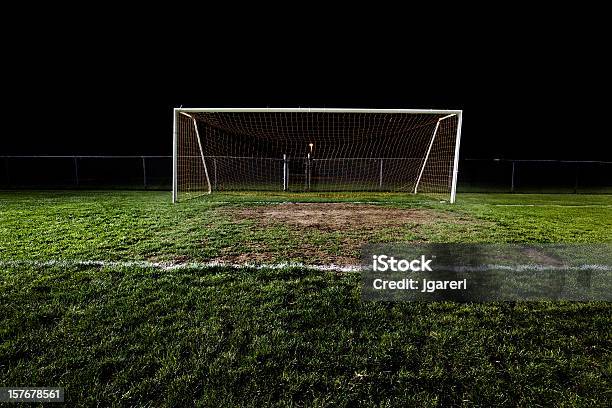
column 168, row 266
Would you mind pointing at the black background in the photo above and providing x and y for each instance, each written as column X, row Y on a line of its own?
column 108, row 86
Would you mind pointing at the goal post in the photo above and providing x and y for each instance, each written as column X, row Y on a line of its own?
column 315, row 149
column 453, row 195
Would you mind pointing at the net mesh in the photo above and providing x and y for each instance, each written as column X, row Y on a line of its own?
column 315, row 151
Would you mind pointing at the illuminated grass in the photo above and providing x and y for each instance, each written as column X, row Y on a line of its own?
column 226, row 337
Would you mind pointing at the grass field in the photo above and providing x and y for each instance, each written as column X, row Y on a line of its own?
column 153, row 334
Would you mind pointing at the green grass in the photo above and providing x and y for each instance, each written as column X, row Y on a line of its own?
column 146, row 226
column 226, row 337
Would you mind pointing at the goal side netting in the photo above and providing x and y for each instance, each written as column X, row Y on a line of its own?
column 315, row 151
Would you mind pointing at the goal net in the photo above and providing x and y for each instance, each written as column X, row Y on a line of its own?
column 412, row 151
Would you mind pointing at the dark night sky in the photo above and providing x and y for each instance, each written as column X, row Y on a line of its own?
column 115, row 96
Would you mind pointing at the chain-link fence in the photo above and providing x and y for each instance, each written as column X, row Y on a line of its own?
column 86, row 172
column 535, row 176
column 155, row 173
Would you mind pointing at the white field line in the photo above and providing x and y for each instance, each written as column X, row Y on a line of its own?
column 528, row 267
column 182, row 265
column 551, row 205
column 166, row 266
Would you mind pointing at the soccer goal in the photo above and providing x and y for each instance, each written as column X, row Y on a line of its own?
column 306, row 149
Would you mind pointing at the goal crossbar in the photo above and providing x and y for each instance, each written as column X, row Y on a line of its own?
column 321, row 110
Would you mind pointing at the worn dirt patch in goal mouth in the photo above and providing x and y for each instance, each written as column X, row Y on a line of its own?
column 325, row 233
column 338, row 216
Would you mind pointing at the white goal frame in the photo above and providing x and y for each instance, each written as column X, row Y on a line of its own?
column 447, row 112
